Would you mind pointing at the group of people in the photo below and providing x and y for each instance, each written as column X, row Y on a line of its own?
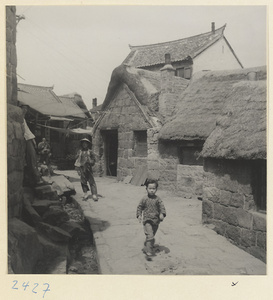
column 150, row 210
column 85, row 160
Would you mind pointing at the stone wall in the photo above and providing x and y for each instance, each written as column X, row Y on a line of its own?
column 229, row 205
column 168, row 161
column 15, row 138
column 125, row 116
column 189, row 180
column 171, row 90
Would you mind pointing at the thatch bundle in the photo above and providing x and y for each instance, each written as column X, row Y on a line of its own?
column 202, row 103
column 241, row 129
column 145, row 85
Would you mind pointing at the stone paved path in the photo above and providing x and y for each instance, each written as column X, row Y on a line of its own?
column 185, row 246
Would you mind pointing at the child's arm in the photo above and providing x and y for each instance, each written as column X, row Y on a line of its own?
column 139, row 211
column 162, row 210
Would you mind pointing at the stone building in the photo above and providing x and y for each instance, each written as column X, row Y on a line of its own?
column 205, row 51
column 181, row 138
column 234, row 197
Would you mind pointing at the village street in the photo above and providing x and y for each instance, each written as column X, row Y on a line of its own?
column 184, row 245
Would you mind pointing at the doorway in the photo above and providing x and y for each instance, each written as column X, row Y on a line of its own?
column 110, row 139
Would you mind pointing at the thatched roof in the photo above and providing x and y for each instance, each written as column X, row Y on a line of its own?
column 202, row 102
column 182, row 49
column 145, row 85
column 241, row 129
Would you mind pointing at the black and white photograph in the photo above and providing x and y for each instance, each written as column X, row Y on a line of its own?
column 136, row 142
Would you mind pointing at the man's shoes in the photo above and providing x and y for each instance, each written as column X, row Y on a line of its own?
column 95, row 197
column 85, row 197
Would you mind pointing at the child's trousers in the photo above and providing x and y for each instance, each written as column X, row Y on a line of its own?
column 150, row 230
column 88, row 177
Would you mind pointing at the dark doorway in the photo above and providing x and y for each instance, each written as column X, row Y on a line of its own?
column 110, row 138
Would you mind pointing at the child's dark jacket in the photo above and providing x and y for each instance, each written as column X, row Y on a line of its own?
column 151, row 208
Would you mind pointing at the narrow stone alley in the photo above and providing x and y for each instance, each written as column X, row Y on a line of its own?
column 183, row 245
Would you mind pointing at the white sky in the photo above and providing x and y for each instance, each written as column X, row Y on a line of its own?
column 76, row 48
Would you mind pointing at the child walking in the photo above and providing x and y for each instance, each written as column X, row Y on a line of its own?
column 153, row 211
column 85, row 160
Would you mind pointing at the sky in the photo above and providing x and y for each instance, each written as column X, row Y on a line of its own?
column 76, row 48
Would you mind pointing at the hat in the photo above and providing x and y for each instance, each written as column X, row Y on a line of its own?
column 85, row 140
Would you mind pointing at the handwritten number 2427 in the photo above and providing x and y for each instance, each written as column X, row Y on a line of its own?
column 25, row 285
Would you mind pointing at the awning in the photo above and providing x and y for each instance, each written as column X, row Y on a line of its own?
column 88, row 131
column 60, row 119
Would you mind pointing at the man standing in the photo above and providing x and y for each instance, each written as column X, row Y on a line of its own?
column 31, row 158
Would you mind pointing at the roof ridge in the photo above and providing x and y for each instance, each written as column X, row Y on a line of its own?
column 39, row 86
column 174, row 41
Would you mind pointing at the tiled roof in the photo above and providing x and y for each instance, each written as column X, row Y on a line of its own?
column 69, row 101
column 149, row 55
column 45, row 101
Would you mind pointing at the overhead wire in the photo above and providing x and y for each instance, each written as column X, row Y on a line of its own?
column 59, row 72
column 97, row 73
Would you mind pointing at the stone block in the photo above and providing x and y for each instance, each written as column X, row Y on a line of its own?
column 73, row 228
column 208, row 208
column 237, row 200
column 258, row 253
column 23, row 247
column 245, row 188
column 29, row 214
column 14, row 113
column 226, row 183
column 225, row 198
column 185, row 182
column 153, row 174
column 261, row 240
column 54, row 233
column 249, row 203
column 219, row 227
column 15, row 165
column 233, row 233
column 55, row 216
column 259, row 221
column 209, row 180
column 248, row 238
column 46, row 192
column 230, row 216
column 15, row 180
column 245, row 218
column 218, row 211
column 41, row 206
column 211, row 194
column 168, row 176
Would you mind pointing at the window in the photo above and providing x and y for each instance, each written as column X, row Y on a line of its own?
column 259, row 184
column 187, row 73
column 140, row 143
column 180, row 72
column 183, row 72
column 190, row 155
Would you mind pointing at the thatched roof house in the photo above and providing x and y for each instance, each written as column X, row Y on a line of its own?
column 241, row 129
column 143, row 87
column 204, row 99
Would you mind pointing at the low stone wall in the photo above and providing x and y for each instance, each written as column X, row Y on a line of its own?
column 228, row 204
column 189, row 180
